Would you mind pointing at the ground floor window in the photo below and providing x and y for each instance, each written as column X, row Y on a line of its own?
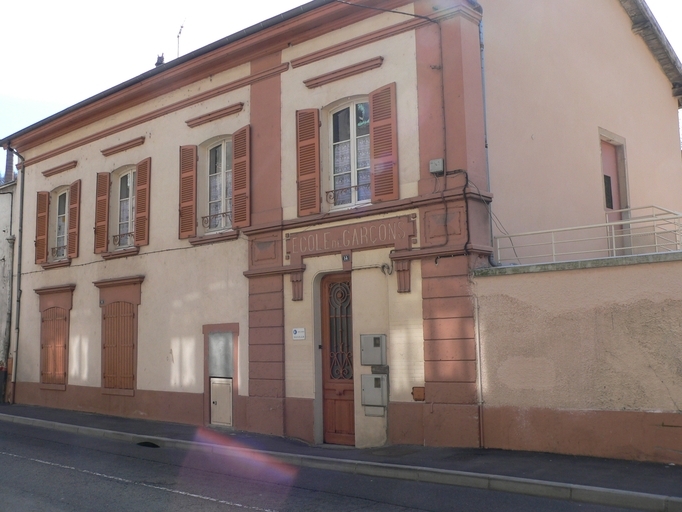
column 55, row 307
column 119, row 300
column 118, row 346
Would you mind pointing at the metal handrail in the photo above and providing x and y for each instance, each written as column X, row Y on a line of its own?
column 659, row 230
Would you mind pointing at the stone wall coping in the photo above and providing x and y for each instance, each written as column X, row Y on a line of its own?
column 615, row 261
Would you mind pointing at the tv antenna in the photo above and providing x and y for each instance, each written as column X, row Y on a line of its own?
column 180, row 32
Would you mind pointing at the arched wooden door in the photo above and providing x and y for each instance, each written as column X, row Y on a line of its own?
column 337, row 360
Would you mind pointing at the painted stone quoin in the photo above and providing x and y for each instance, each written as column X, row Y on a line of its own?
column 333, row 226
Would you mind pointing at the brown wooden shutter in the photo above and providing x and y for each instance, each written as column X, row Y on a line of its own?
column 42, row 224
column 119, row 346
column 102, row 213
column 188, row 191
column 384, row 144
column 74, row 219
column 308, row 161
column 53, row 332
column 241, row 178
column 143, row 175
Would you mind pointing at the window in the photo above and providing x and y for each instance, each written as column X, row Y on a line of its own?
column 57, row 225
column 119, row 300
column 59, row 251
column 55, row 306
column 126, row 192
column 350, row 154
column 362, row 164
column 215, row 185
column 118, row 345
column 219, row 187
column 126, row 210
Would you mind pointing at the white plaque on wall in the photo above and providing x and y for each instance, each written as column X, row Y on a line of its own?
column 299, row 333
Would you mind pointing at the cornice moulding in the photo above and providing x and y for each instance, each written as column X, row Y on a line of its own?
column 60, row 168
column 119, row 281
column 123, row 146
column 216, row 114
column 55, row 289
column 354, row 69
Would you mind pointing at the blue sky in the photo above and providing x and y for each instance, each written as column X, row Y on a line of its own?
column 73, row 49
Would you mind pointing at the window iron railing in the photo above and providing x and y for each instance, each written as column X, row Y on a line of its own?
column 123, row 239
column 626, row 232
column 217, row 220
column 58, row 252
column 345, row 195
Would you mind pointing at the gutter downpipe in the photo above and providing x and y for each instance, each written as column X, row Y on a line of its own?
column 492, row 241
column 15, row 366
column 7, row 335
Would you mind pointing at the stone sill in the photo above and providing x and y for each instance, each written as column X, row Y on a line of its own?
column 66, row 262
column 214, row 237
column 616, row 261
column 121, row 253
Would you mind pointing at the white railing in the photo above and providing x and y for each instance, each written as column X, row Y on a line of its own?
column 627, row 232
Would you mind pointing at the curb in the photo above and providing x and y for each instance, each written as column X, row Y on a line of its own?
column 527, row 486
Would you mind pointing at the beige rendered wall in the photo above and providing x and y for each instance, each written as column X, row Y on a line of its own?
column 399, row 65
column 593, row 339
column 185, row 287
column 557, row 72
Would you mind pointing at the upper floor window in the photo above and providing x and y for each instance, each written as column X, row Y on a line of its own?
column 122, row 207
column 219, row 187
column 350, row 154
column 126, row 210
column 215, row 187
column 361, row 165
column 59, row 251
column 58, row 224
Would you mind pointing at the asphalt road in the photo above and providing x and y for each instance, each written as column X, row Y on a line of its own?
column 46, row 470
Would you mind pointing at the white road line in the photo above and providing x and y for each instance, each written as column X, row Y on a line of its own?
column 141, row 484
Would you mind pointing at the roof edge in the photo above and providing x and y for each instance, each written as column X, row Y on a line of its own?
column 644, row 24
column 275, row 20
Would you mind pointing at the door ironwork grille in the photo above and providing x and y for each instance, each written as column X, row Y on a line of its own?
column 340, row 332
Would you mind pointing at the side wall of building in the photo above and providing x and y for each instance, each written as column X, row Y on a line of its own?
column 6, row 271
column 561, row 77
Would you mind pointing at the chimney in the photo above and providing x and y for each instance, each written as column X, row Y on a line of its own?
column 9, row 168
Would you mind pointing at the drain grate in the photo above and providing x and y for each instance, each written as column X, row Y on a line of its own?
column 148, row 444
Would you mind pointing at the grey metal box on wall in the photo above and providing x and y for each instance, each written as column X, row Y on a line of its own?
column 372, row 349
column 375, row 390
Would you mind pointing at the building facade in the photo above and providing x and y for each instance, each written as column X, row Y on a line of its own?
column 280, row 231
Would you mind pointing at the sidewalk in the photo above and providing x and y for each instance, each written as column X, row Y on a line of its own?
column 628, row 484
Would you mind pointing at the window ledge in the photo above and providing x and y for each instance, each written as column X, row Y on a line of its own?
column 121, row 253
column 57, row 264
column 54, row 387
column 215, row 237
column 120, row 392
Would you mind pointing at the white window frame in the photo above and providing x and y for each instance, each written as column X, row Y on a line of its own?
column 221, row 218
column 333, row 195
column 58, row 252
column 123, row 237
